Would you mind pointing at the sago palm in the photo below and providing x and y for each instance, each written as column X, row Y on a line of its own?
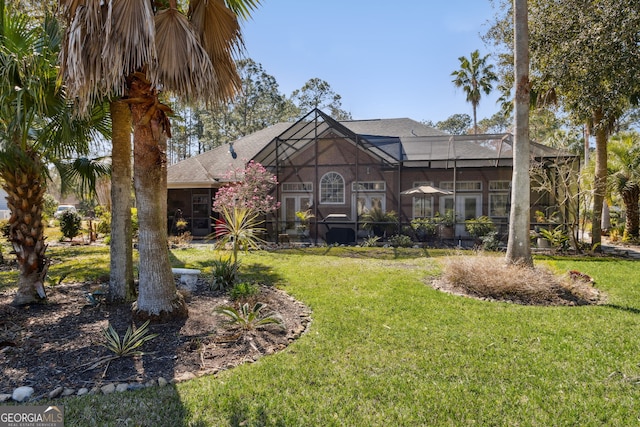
column 131, row 51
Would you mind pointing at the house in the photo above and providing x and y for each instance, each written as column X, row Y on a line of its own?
column 342, row 169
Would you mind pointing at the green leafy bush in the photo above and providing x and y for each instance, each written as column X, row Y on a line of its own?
column 70, row 224
column 400, row 241
column 244, row 292
column 479, row 227
column 104, row 224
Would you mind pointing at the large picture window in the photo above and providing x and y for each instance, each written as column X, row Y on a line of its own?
column 332, row 188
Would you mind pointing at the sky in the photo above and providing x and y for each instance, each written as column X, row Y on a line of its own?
column 385, row 59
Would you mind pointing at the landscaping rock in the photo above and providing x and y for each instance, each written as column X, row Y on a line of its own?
column 136, row 386
column 108, row 389
column 122, row 387
column 83, row 391
column 56, row 392
column 94, row 390
column 150, row 383
column 68, row 392
column 4, row 397
column 162, row 382
column 22, row 393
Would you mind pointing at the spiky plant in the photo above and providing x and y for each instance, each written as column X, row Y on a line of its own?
column 250, row 318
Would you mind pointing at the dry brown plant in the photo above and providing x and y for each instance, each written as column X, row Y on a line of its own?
column 490, row 277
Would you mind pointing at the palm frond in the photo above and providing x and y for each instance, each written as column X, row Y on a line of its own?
column 129, row 42
column 84, row 172
column 183, row 65
column 218, row 28
column 243, row 8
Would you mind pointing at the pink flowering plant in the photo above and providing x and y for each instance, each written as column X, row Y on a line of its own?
column 250, row 188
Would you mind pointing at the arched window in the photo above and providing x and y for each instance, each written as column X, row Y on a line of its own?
column 332, row 188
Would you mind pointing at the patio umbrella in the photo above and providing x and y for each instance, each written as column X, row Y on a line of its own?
column 425, row 190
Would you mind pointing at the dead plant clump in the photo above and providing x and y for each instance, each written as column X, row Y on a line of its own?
column 491, row 278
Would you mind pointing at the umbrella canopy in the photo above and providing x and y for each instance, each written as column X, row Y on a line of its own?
column 426, row 190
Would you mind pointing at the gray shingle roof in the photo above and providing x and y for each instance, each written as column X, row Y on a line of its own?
column 393, row 140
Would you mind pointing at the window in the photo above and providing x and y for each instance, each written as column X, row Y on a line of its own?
column 369, row 186
column 498, row 205
column 499, row 198
column 462, row 185
column 297, row 187
column 422, row 207
column 332, row 188
column 499, row 185
column 366, row 202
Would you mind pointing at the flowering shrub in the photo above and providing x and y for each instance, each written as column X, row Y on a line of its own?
column 250, row 189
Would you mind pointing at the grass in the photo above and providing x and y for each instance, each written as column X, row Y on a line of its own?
column 385, row 349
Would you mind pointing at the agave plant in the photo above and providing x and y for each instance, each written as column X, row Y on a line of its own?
column 250, row 318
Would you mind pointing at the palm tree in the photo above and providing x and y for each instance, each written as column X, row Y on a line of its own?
column 130, row 50
column 624, row 178
column 474, row 76
column 518, row 250
column 36, row 129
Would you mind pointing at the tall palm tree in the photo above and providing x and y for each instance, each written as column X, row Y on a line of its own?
column 518, row 250
column 36, row 128
column 624, row 178
column 474, row 77
column 130, row 50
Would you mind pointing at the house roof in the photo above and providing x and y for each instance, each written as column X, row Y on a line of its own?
column 391, row 140
column 209, row 168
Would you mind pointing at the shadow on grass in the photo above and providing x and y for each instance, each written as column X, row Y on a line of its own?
column 628, row 309
column 388, row 253
column 155, row 406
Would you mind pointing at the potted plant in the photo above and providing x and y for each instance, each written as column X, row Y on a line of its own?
column 424, row 228
column 446, row 222
column 304, row 217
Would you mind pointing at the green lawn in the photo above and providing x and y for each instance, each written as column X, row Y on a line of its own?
column 384, row 349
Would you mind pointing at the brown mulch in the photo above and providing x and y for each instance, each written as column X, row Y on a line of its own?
column 52, row 345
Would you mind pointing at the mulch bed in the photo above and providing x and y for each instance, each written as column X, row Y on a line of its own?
column 52, row 345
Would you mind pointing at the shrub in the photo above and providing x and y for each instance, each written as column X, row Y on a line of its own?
column 424, row 228
column 371, row 241
column 104, row 223
column 70, row 224
column 490, row 241
column 225, row 273
column 5, row 228
column 557, row 237
column 379, row 222
column 479, row 227
column 400, row 241
column 244, row 292
column 182, row 239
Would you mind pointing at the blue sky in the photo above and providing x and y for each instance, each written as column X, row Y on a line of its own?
column 385, row 59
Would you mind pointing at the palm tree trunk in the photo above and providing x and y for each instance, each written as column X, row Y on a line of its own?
column 600, row 180
column 518, row 247
column 121, row 282
column 26, row 188
column 630, row 198
column 157, row 296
